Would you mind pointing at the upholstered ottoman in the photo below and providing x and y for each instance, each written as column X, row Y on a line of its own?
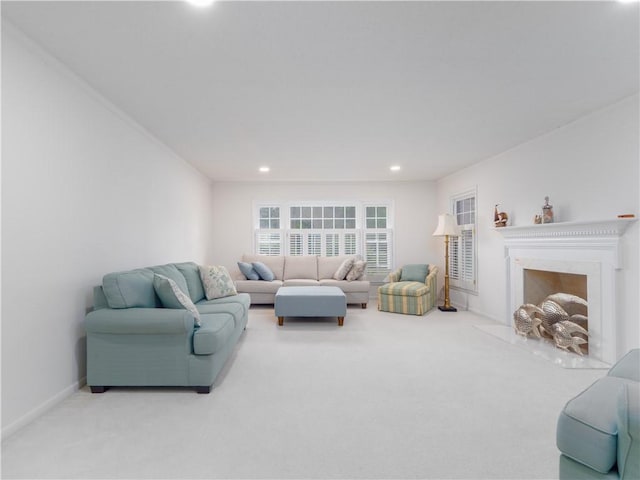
column 310, row 302
column 404, row 297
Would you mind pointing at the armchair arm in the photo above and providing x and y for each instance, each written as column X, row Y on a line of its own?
column 431, row 276
column 432, row 282
column 128, row 321
column 395, row 275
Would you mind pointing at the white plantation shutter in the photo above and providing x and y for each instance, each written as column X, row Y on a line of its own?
column 314, row 244
column 295, row 243
column 461, row 258
column 378, row 252
column 332, row 244
column 268, row 242
column 302, row 242
column 467, row 249
column 350, row 244
column 454, row 259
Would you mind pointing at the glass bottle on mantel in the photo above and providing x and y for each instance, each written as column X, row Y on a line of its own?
column 547, row 211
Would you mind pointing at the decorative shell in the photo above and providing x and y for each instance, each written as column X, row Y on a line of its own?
column 562, row 336
column 525, row 320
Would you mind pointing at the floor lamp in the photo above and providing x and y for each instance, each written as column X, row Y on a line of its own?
column 447, row 227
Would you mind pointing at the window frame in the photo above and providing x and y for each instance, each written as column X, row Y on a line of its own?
column 459, row 248
column 285, row 231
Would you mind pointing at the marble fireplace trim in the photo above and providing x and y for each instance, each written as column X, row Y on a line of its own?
column 585, row 248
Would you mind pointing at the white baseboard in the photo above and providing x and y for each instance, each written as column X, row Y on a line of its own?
column 486, row 315
column 42, row 408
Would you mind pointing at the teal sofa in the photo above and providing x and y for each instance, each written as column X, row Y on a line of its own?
column 599, row 430
column 133, row 341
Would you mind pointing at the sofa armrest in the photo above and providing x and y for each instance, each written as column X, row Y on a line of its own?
column 128, row 321
column 627, row 366
column 99, row 298
column 628, row 454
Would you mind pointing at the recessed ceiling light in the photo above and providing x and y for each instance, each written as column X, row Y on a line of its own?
column 264, row 169
column 394, row 168
column 200, row 3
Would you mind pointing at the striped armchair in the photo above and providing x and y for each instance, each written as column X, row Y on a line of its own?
column 408, row 297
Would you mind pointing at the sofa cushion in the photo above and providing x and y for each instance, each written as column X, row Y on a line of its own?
column 587, row 426
column 275, row 263
column 343, row 269
column 404, row 289
column 133, row 288
column 414, row 273
column 300, row 266
column 172, row 296
column 248, row 271
column 300, row 282
column 214, row 334
column 251, row 286
column 243, row 299
column 217, row 282
column 191, row 274
column 569, row 469
column 357, row 271
column 264, row 272
column 236, row 310
column 172, row 272
column 327, row 266
column 628, row 366
column 629, row 431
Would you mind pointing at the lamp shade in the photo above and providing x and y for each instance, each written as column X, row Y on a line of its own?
column 447, row 226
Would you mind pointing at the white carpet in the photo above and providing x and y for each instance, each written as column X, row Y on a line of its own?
column 385, row 396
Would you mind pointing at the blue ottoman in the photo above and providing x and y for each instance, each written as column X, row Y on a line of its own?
column 310, row 302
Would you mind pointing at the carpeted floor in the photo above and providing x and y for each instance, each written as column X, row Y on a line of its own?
column 385, row 396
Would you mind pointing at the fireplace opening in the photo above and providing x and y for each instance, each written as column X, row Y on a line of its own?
column 540, row 284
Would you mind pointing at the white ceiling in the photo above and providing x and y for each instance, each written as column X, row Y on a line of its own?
column 328, row 91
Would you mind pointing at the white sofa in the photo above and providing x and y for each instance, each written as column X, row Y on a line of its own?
column 302, row 270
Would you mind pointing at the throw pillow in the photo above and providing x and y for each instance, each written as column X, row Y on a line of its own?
column 264, row 271
column 248, row 271
column 414, row 273
column 357, row 271
column 217, row 282
column 342, row 271
column 172, row 297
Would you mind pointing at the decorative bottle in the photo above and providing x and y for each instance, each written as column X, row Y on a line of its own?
column 547, row 211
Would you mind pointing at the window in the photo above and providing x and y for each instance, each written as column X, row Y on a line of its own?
column 268, row 235
column 322, row 230
column 328, row 229
column 323, row 217
column 270, row 217
column 377, row 240
column 462, row 249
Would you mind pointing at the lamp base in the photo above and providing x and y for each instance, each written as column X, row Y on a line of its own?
column 442, row 308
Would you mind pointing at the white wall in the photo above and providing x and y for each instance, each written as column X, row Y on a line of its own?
column 589, row 169
column 85, row 191
column 416, row 215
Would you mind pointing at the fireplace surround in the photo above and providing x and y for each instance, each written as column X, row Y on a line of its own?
column 588, row 249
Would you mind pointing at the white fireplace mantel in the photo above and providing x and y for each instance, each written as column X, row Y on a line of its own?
column 593, row 234
column 593, row 228
column 590, row 248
